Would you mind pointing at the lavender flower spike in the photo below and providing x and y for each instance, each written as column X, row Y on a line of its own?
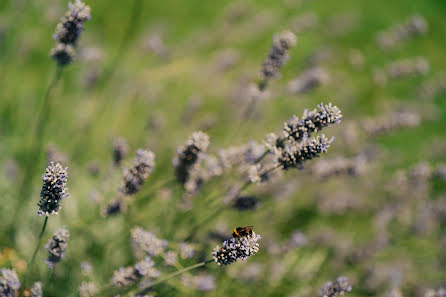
column 9, row 283
column 56, row 246
column 233, row 249
column 53, row 189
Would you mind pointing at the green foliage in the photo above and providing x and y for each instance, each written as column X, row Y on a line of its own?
column 147, row 99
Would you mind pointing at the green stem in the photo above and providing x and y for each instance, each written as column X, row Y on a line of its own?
column 36, row 250
column 87, row 132
column 172, row 275
column 219, row 210
column 36, row 149
column 128, row 34
column 213, row 215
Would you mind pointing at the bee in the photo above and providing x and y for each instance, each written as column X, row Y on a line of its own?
column 242, row 231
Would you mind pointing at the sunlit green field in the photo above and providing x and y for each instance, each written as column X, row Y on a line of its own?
column 153, row 72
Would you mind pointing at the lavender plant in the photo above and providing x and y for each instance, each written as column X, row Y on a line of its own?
column 188, row 155
column 277, row 56
column 68, row 32
column 36, row 290
column 53, row 189
column 234, row 249
column 336, row 288
column 9, row 283
column 57, row 246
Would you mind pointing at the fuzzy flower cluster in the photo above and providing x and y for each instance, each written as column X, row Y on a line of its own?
column 36, row 290
column 68, row 31
column 88, row 289
column 408, row 67
column 297, row 129
column 120, row 150
column 294, row 156
column 209, row 166
column 336, row 288
column 53, row 189
column 308, row 81
column 433, row 87
column 441, row 292
column 238, row 248
column 278, row 55
column 296, row 145
column 397, row 34
column 394, row 121
column 127, row 276
column 188, row 155
column 56, row 246
column 9, row 283
column 143, row 165
column 202, row 282
column 186, row 250
column 340, row 165
column 147, row 242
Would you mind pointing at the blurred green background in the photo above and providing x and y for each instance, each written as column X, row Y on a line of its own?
column 170, row 78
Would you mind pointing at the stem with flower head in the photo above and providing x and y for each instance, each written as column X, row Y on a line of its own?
column 169, row 276
column 35, row 252
column 36, row 147
column 221, row 209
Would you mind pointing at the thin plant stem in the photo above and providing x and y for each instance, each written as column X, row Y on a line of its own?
column 172, row 275
column 213, row 215
column 24, row 192
column 219, row 210
column 108, row 72
column 128, row 34
column 36, row 250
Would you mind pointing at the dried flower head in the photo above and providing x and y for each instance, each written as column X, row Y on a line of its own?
column 114, row 208
column 441, row 292
column 147, row 242
column 408, row 67
column 53, row 189
column 86, row 268
column 142, row 166
column 9, row 283
column 205, row 169
column 36, row 290
column 68, row 31
column 336, row 288
column 186, row 250
column 56, row 246
column 120, row 149
column 278, row 55
column 294, row 156
column 297, row 129
column 63, row 54
column 308, row 81
column 204, row 282
column 171, row 258
column 388, row 123
column 397, row 34
column 433, row 87
column 88, row 289
column 127, row 276
column 188, row 155
column 71, row 24
column 339, row 165
column 233, row 249
column 247, row 203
